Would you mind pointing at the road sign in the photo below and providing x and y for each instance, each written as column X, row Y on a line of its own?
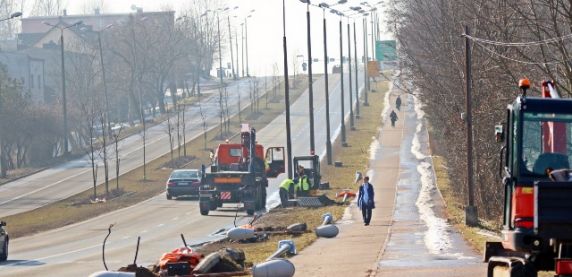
column 385, row 50
column 373, row 69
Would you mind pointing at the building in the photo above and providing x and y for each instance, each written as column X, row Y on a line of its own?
column 28, row 72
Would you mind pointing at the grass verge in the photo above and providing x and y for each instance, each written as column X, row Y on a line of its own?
column 355, row 158
column 132, row 189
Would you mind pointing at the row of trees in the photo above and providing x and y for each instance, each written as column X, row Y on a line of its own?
column 144, row 57
column 511, row 39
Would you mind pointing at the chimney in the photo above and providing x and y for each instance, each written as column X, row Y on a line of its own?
column 96, row 11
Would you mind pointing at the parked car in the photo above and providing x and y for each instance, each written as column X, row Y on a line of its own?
column 3, row 242
column 183, row 182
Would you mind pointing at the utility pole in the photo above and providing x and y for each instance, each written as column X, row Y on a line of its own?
column 352, row 127
column 343, row 127
column 471, row 216
column 108, row 121
column 236, row 44
column 310, row 85
column 356, row 72
column 327, row 91
column 287, row 94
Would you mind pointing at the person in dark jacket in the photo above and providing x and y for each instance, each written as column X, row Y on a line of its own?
column 398, row 103
column 393, row 117
column 365, row 200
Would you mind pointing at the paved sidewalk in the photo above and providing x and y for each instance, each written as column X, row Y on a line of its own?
column 357, row 249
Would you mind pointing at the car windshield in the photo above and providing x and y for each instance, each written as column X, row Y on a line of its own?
column 546, row 142
column 187, row 174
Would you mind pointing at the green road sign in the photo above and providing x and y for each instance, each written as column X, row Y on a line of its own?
column 385, row 50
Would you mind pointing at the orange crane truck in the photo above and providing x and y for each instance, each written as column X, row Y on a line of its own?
column 537, row 221
column 239, row 174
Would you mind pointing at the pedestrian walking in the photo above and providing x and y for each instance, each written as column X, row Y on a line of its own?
column 398, row 103
column 393, row 117
column 365, row 200
column 286, row 191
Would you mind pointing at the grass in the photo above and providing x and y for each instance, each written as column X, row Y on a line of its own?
column 355, row 158
column 132, row 188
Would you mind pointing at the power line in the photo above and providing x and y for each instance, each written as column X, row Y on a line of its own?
column 516, row 60
column 519, row 44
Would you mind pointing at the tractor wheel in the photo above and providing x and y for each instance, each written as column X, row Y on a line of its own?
column 4, row 255
column 204, row 212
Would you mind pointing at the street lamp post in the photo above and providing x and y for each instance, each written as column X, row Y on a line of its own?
column 328, row 140
column 287, row 94
column 242, row 46
column 310, row 85
column 230, row 46
column 343, row 124
column 356, row 72
column 366, row 60
column 64, row 97
column 246, row 39
column 105, row 93
column 352, row 127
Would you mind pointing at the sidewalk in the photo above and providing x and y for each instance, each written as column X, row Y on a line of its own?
column 357, row 249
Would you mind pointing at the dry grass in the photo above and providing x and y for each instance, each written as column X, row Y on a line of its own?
column 355, row 158
column 78, row 208
column 455, row 209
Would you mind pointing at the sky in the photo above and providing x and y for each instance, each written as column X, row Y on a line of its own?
column 264, row 28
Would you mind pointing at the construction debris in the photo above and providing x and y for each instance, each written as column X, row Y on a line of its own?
column 224, row 260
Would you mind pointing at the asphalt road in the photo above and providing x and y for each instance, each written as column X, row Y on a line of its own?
column 76, row 250
column 73, row 177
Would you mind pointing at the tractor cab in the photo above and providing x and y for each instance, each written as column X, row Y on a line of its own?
column 537, row 226
column 311, row 165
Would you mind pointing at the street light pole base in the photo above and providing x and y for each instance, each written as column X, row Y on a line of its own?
column 471, row 216
column 344, row 144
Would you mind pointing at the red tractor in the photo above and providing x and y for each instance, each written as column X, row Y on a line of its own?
column 537, row 226
column 239, row 174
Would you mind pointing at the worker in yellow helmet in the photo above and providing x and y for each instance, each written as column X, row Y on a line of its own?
column 286, row 189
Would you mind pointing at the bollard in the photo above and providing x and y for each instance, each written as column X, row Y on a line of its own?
column 274, row 268
column 327, row 218
column 112, row 274
column 284, row 246
column 327, row 231
column 240, row 234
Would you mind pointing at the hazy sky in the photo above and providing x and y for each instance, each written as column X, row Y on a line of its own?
column 264, row 28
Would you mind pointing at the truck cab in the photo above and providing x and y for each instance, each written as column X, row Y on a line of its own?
column 537, row 216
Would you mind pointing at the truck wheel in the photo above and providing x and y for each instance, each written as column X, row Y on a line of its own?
column 250, row 212
column 4, row 255
column 204, row 212
column 213, row 205
column 169, row 197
